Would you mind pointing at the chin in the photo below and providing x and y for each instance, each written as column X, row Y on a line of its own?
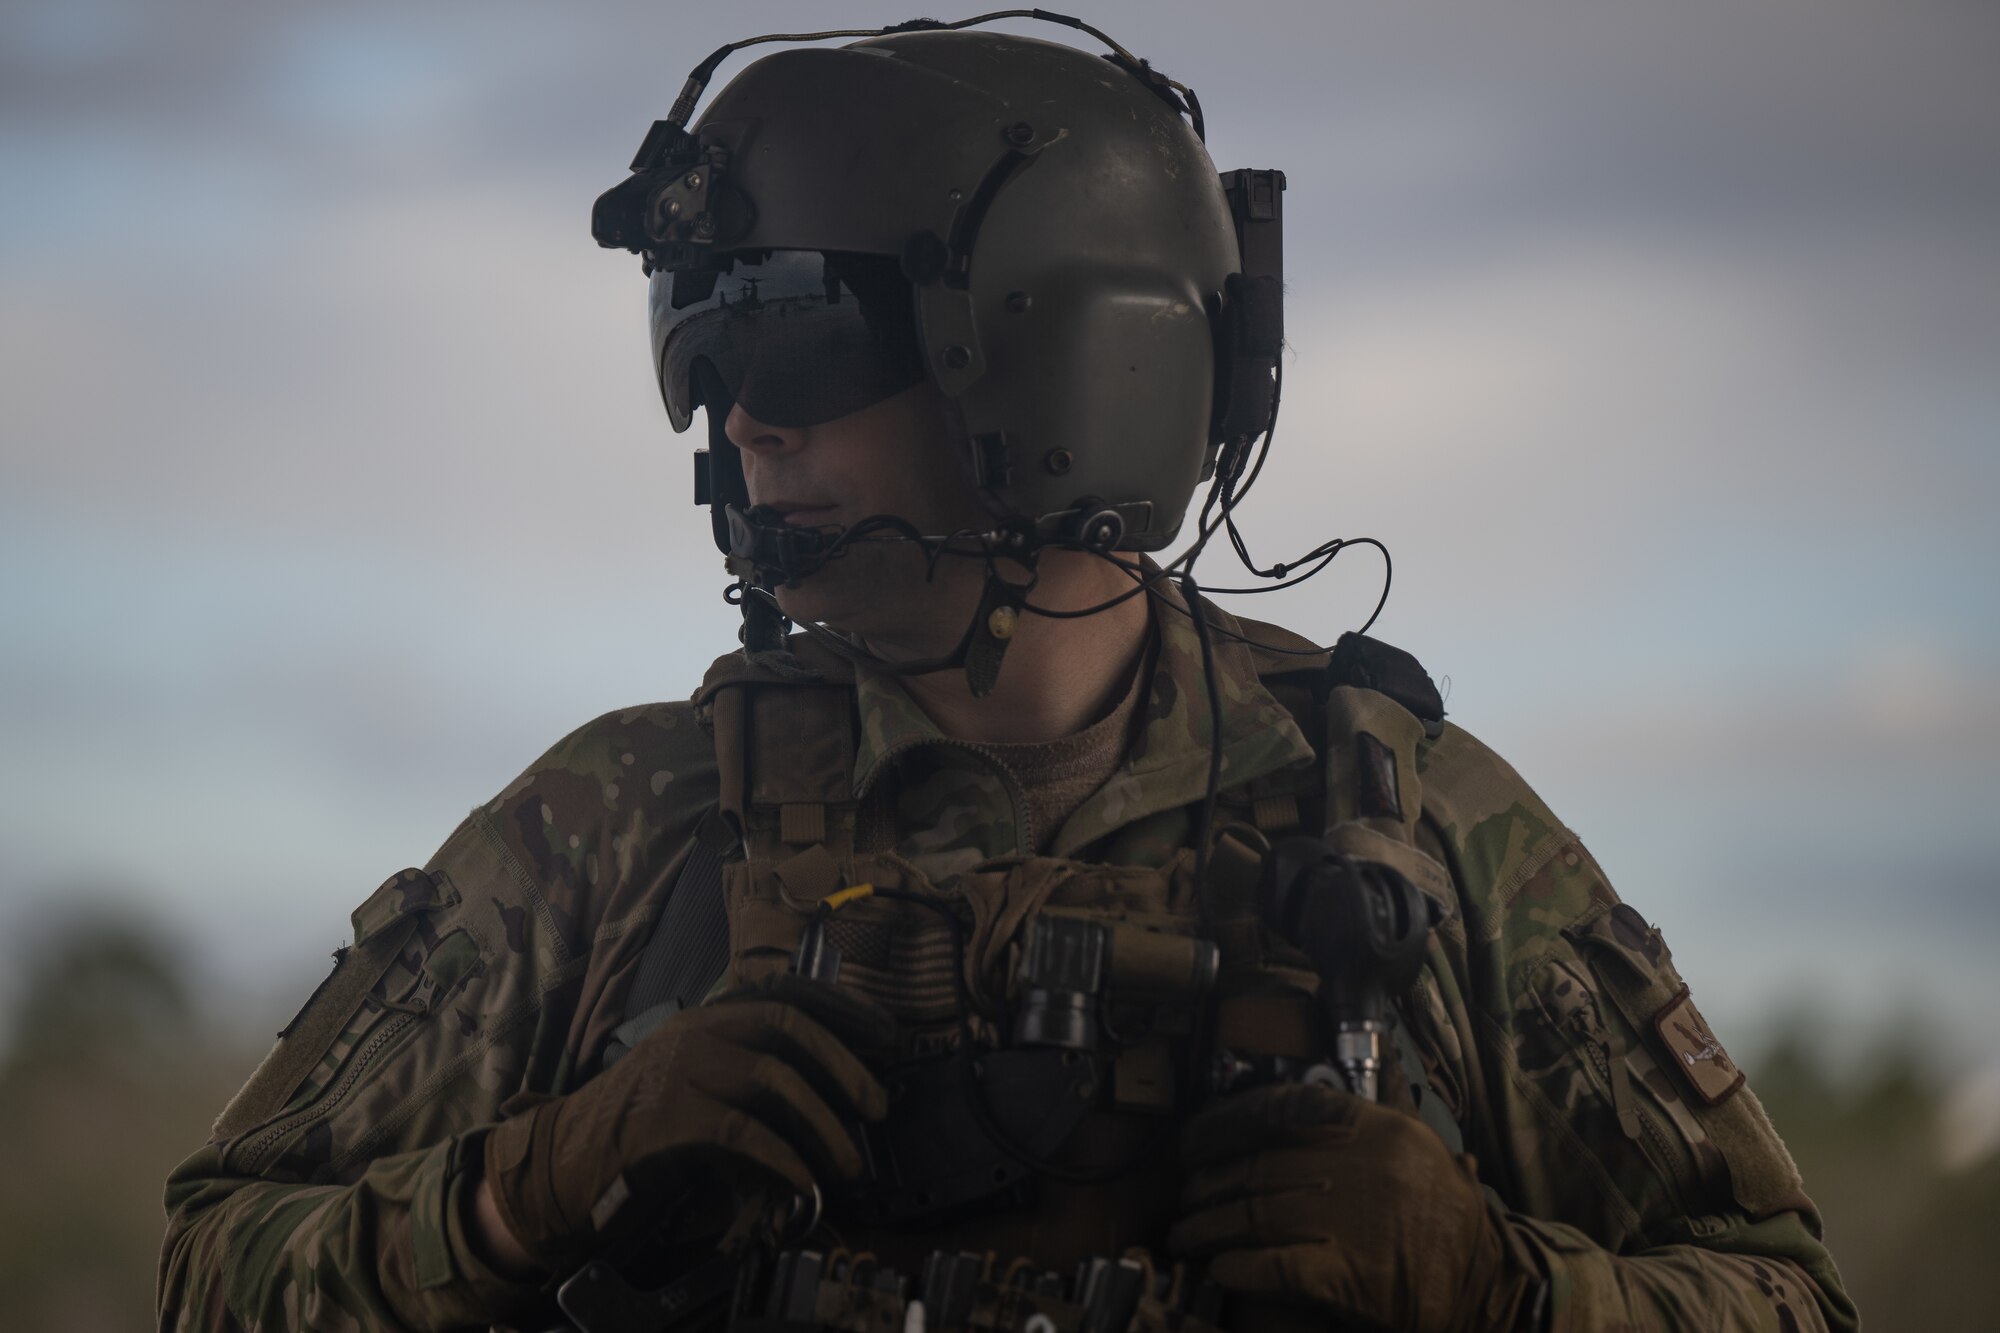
column 811, row 599
column 881, row 594
column 844, row 594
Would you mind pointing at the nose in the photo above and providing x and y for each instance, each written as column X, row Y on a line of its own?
column 758, row 437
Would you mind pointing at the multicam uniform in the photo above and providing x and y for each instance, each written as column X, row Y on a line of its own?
column 1641, row 1178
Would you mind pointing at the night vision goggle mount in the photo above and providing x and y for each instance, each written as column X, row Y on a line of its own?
column 679, row 210
column 673, row 210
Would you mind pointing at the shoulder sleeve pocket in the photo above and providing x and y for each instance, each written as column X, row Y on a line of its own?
column 1676, row 1056
column 377, row 978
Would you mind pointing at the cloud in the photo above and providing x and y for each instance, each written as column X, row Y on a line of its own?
column 335, row 484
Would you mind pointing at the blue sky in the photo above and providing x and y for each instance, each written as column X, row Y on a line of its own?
column 1660, row 347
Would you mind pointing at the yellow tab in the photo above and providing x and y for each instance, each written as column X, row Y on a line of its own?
column 835, row 901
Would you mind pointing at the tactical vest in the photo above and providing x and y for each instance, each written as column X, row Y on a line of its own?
column 1059, row 1018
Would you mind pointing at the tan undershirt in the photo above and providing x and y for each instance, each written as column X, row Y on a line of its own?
column 1058, row 776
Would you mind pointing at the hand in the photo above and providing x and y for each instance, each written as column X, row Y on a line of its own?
column 751, row 1086
column 1306, row 1194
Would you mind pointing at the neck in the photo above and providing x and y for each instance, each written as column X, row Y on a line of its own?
column 1058, row 676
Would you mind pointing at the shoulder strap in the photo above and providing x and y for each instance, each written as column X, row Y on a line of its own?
column 1378, row 708
column 1367, row 706
column 785, row 757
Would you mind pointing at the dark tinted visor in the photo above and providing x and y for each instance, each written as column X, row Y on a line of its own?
column 796, row 336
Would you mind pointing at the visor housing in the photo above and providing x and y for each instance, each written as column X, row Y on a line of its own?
column 797, row 337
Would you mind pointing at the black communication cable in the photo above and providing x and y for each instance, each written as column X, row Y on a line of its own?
column 1205, row 814
column 1175, row 93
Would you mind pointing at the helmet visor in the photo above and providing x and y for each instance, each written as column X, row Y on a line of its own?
column 796, row 337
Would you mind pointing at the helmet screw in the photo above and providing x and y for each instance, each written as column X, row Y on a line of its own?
column 673, row 208
column 1018, row 302
column 1102, row 530
column 1058, row 461
column 693, row 181
column 957, row 357
column 1000, row 623
column 1020, row 134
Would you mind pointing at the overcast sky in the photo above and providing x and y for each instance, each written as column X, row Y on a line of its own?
column 1660, row 348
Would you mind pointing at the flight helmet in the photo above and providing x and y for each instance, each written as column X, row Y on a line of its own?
column 1037, row 230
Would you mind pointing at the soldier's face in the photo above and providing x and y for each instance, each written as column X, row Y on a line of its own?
column 893, row 457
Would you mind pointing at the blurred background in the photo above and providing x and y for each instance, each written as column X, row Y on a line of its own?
column 1661, row 346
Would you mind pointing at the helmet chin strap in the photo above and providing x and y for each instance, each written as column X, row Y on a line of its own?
column 765, row 551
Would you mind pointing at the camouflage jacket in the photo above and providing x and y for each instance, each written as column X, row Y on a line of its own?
column 1640, row 1176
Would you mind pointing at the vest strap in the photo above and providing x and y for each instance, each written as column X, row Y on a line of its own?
column 785, row 752
column 800, row 823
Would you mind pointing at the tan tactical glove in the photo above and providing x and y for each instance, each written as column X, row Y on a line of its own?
column 751, row 1087
column 1306, row 1195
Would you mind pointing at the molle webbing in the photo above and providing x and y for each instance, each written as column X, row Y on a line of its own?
column 1292, row 800
column 1294, row 670
column 1375, row 799
column 806, row 1291
column 1368, row 706
column 785, row 761
column 785, row 757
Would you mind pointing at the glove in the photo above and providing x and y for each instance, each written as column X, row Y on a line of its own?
column 754, row 1087
column 1306, row 1194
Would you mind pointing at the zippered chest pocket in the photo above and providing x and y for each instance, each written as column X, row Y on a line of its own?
column 1611, row 1038
column 338, row 1063
column 1576, row 1048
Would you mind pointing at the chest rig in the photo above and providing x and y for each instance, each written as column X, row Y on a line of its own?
column 1058, row 1016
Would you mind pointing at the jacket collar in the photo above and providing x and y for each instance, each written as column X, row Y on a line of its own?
column 1167, row 764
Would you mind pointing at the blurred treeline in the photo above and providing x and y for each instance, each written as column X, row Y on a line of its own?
column 110, row 1076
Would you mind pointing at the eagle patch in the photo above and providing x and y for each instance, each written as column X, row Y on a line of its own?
column 1695, row 1051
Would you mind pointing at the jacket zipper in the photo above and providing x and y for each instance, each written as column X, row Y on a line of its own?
column 1616, row 1080
column 326, row 1104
